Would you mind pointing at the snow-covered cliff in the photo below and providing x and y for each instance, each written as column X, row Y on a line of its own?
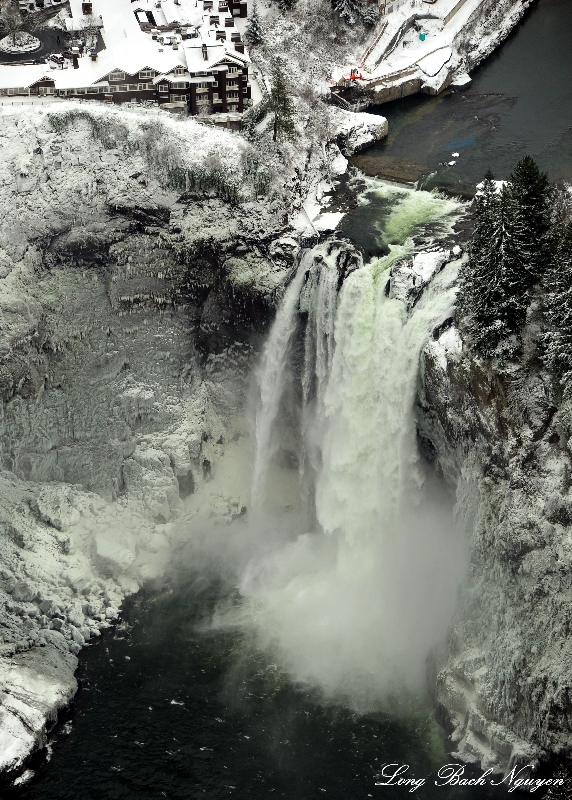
column 137, row 269
column 495, row 433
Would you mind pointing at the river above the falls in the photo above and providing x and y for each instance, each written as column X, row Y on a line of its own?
column 519, row 103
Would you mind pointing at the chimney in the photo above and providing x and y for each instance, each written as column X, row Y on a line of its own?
column 75, row 61
column 239, row 47
column 93, row 56
column 87, row 8
column 205, row 53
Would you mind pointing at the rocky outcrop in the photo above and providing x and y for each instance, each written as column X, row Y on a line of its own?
column 358, row 130
column 504, row 679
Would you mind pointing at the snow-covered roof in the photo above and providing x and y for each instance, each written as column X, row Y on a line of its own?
column 120, row 14
column 171, row 78
column 90, row 72
column 14, row 76
column 130, row 49
column 217, row 52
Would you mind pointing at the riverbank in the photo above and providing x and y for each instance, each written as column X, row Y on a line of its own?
column 416, row 50
column 519, row 103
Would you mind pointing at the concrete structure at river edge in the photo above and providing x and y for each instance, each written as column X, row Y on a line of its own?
column 424, row 47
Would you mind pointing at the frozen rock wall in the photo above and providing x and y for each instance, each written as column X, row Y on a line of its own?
column 138, row 269
column 503, row 680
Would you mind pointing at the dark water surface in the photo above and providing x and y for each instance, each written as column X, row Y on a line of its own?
column 171, row 708
column 519, row 103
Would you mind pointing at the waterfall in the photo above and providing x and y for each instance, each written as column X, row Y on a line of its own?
column 356, row 611
column 321, row 303
column 369, row 447
column 271, row 380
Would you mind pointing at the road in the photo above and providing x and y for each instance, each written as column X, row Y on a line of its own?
column 49, row 39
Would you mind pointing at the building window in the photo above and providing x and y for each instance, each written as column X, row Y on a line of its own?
column 233, row 70
column 92, row 89
column 231, row 83
column 163, row 88
column 179, row 98
column 233, row 95
column 180, row 85
column 116, row 75
column 179, row 71
column 142, row 87
column 112, row 89
column 233, row 107
column 147, row 73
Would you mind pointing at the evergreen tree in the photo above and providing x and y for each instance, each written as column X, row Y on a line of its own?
column 532, row 196
column 347, row 9
column 352, row 10
column 477, row 297
column 280, row 102
column 370, row 15
column 510, row 248
column 558, row 309
column 253, row 33
column 490, row 296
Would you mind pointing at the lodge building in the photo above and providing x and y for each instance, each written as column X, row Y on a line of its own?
column 200, row 64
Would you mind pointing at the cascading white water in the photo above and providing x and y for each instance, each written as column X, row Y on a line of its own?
column 369, row 442
column 318, row 354
column 351, row 611
column 271, row 381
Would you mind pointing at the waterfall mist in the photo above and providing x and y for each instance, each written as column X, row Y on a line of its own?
column 349, row 565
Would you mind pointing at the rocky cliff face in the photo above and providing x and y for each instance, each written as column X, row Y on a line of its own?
column 137, row 272
column 498, row 437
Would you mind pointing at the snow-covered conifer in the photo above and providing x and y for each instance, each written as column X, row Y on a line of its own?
column 509, row 249
column 532, row 197
column 253, row 34
column 558, row 309
column 370, row 15
column 352, row 10
column 280, row 102
column 478, row 297
column 347, row 9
